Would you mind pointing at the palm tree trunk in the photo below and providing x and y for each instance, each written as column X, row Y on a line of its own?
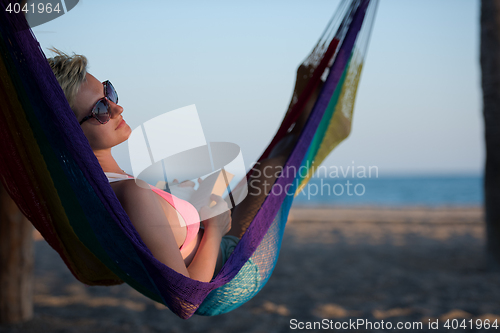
column 490, row 69
column 16, row 262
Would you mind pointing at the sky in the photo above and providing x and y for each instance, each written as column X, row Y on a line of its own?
column 418, row 108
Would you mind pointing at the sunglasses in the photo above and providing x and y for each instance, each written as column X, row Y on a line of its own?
column 100, row 111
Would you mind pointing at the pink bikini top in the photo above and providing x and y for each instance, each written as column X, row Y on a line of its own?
column 190, row 218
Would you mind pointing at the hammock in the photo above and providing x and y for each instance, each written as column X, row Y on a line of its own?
column 52, row 174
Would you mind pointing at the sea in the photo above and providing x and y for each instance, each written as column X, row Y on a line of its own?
column 394, row 191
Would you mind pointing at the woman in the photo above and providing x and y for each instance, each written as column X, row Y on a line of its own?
column 199, row 254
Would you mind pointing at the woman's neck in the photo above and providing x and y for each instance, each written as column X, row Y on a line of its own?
column 107, row 162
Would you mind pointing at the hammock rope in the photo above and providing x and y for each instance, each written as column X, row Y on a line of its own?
column 52, row 174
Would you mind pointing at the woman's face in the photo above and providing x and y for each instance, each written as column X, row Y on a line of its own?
column 100, row 136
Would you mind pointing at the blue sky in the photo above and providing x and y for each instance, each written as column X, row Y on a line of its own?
column 418, row 108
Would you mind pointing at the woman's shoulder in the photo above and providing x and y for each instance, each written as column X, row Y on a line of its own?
column 132, row 190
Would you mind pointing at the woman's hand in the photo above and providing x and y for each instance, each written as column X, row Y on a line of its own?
column 186, row 183
column 184, row 190
column 217, row 217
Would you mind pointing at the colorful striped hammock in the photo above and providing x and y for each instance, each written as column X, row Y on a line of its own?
column 52, row 174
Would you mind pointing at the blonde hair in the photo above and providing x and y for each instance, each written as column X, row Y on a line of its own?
column 70, row 72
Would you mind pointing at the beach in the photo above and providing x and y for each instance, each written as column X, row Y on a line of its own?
column 402, row 265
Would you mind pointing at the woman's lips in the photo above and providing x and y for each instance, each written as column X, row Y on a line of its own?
column 120, row 124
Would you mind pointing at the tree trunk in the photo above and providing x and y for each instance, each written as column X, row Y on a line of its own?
column 16, row 262
column 490, row 69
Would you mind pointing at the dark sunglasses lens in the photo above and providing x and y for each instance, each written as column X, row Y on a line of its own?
column 101, row 111
column 111, row 92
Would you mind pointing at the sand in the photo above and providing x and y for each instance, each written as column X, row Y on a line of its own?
column 408, row 265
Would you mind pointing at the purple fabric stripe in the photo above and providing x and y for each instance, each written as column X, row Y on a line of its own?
column 61, row 124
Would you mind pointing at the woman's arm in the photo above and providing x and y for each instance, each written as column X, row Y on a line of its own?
column 215, row 228
column 147, row 216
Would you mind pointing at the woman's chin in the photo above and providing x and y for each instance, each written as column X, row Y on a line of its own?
column 128, row 130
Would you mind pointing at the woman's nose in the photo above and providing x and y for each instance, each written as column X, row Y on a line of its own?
column 115, row 109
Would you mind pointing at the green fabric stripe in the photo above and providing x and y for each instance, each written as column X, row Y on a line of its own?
column 325, row 121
